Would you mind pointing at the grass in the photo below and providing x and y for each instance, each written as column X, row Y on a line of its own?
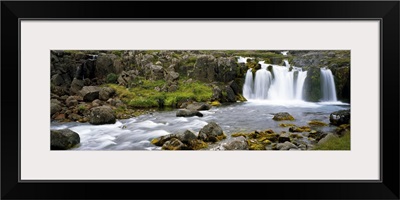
column 144, row 95
column 339, row 143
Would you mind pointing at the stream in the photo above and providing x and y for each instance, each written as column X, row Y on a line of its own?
column 136, row 133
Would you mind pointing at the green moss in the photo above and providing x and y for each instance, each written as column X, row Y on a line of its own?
column 112, row 78
column 240, row 134
column 286, row 125
column 215, row 103
column 144, row 95
column 197, row 145
column 82, row 108
column 317, row 123
column 336, row 143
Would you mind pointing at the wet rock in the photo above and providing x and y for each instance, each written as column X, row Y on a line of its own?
column 317, row 135
column 63, row 139
column 102, row 115
column 317, row 123
column 237, row 143
column 340, row 117
column 211, row 132
column 300, row 129
column 282, row 116
column 188, row 113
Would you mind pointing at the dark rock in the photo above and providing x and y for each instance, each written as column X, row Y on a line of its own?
column 217, row 94
column 282, row 116
column 204, row 68
column 57, row 79
column 105, row 65
column 76, row 86
column 237, row 143
column 230, row 94
column 63, row 139
column 102, row 115
column 198, row 106
column 186, row 137
column 211, row 132
column 340, row 117
column 106, row 93
column 317, row 135
column 235, row 87
column 54, row 108
column 90, row 93
column 226, row 69
column 284, row 137
column 188, row 113
column 174, row 144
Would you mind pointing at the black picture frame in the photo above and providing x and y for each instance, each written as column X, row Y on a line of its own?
column 386, row 11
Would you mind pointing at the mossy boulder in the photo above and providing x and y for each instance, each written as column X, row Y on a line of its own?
column 174, row 144
column 211, row 132
column 63, row 139
column 317, row 123
column 300, row 129
column 188, row 139
column 282, row 116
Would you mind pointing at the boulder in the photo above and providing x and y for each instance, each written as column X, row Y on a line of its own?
column 105, row 65
column 317, row 135
column 63, row 139
column 71, row 101
column 204, row 68
column 90, row 93
column 105, row 93
column 154, row 72
column 96, row 103
column 340, row 117
column 74, row 117
column 127, row 76
column 217, row 94
column 57, row 79
column 76, row 86
column 282, row 116
column 102, row 115
column 54, row 107
column 171, row 76
column 198, row 106
column 235, row 87
column 211, row 132
column 237, row 143
column 186, row 137
column 174, row 144
column 286, row 146
column 226, row 69
column 188, row 113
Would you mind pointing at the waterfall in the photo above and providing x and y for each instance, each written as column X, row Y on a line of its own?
column 248, row 85
column 328, row 85
column 280, row 85
column 262, row 82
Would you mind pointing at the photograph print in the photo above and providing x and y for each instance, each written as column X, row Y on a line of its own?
column 209, row 100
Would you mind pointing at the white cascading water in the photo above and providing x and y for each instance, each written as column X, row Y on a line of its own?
column 248, row 85
column 283, row 87
column 262, row 82
column 328, row 85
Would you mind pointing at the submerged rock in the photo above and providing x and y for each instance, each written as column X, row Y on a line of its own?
column 63, row 139
column 300, row 129
column 211, row 132
column 340, row 117
column 102, row 115
column 188, row 113
column 282, row 116
column 198, row 106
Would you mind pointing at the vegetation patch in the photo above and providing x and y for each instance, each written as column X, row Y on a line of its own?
column 335, row 143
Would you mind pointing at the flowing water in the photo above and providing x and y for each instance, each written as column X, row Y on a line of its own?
column 328, row 85
column 136, row 133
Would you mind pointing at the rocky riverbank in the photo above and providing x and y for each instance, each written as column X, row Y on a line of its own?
column 132, row 83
